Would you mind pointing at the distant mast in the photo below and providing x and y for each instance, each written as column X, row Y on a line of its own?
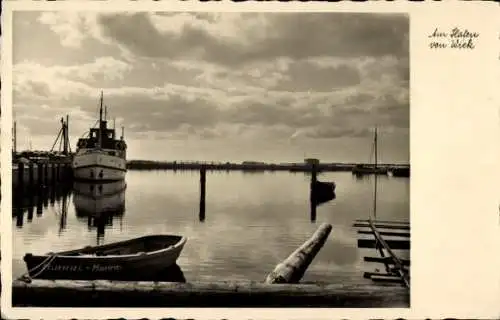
column 14, row 138
column 375, row 177
column 100, row 122
column 123, row 133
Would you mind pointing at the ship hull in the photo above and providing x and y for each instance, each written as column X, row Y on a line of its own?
column 99, row 167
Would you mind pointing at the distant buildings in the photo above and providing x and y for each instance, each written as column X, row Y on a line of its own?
column 250, row 163
column 311, row 161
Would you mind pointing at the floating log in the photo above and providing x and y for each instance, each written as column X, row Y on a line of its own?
column 386, row 260
column 383, row 226
column 293, row 268
column 70, row 293
column 387, row 233
column 394, row 244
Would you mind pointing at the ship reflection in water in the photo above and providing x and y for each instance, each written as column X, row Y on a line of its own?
column 99, row 204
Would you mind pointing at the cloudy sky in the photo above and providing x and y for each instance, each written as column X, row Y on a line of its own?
column 222, row 86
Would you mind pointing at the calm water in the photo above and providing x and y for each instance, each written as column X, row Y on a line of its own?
column 252, row 221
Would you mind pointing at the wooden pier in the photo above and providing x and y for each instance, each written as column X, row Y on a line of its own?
column 396, row 268
column 33, row 175
column 64, row 293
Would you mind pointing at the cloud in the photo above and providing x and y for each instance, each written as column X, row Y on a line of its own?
column 73, row 27
column 179, row 75
column 256, row 37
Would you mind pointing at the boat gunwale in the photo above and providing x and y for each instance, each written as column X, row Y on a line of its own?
column 65, row 254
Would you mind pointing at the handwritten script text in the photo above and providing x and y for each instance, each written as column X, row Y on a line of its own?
column 456, row 38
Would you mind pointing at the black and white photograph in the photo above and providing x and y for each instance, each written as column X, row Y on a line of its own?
column 210, row 159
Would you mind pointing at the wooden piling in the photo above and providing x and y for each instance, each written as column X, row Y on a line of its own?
column 53, row 176
column 20, row 175
column 293, row 268
column 312, row 193
column 45, row 173
column 58, row 172
column 40, row 174
column 71, row 293
column 39, row 204
column 31, row 178
column 203, row 180
column 19, row 217
column 30, row 213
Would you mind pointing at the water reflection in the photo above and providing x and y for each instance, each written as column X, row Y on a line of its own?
column 251, row 221
column 30, row 202
column 98, row 204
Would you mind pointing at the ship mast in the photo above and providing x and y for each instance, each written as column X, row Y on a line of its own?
column 375, row 177
column 14, row 139
column 100, row 121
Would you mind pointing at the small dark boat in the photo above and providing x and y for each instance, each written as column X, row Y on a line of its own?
column 149, row 254
column 322, row 192
column 401, row 172
column 361, row 170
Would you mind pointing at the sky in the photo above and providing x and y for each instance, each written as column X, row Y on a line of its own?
column 273, row 87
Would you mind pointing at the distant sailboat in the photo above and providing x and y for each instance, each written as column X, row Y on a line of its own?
column 360, row 170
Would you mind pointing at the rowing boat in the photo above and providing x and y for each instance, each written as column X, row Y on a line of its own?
column 149, row 254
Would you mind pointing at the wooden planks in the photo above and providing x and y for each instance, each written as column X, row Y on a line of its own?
column 387, row 233
column 394, row 244
column 384, row 260
column 395, row 267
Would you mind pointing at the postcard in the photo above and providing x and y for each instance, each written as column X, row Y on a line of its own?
column 250, row 160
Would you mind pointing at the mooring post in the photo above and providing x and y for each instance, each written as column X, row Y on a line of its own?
column 30, row 175
column 52, row 195
column 58, row 172
column 30, row 210
column 19, row 217
column 45, row 198
column 45, row 173
column 203, row 180
column 20, row 175
column 293, row 268
column 40, row 174
column 39, row 203
column 312, row 193
column 313, row 209
column 53, row 177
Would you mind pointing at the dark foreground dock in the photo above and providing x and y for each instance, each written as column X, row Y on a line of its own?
column 64, row 293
